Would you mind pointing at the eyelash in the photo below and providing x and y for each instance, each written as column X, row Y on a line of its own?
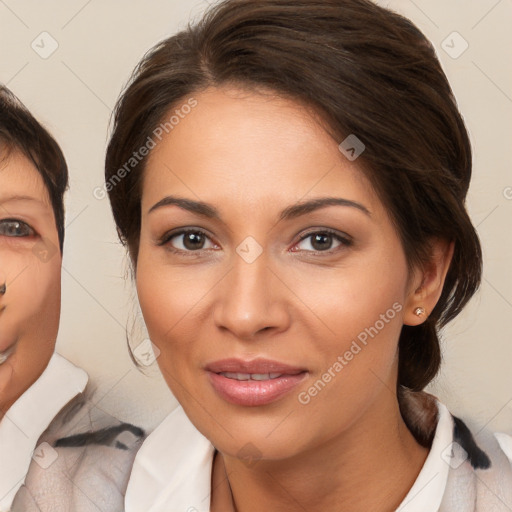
column 23, row 225
column 344, row 240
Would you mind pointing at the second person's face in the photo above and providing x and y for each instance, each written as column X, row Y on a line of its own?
column 30, row 265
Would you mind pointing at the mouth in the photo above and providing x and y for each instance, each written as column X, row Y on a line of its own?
column 4, row 355
column 253, row 383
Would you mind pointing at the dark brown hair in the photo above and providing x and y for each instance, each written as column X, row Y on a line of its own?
column 20, row 131
column 367, row 71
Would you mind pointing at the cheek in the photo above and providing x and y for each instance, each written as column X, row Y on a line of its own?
column 34, row 296
column 353, row 318
column 172, row 302
column 345, row 302
column 170, row 298
column 30, row 320
column 158, row 299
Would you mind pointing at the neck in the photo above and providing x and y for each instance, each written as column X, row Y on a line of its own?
column 370, row 467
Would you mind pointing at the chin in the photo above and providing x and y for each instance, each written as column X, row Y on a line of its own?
column 255, row 446
column 270, row 433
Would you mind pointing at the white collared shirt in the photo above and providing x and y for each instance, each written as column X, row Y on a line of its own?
column 172, row 470
column 29, row 417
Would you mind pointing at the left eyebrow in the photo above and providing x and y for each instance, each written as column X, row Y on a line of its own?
column 315, row 204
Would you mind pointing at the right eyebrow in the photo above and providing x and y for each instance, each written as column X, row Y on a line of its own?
column 198, row 207
column 6, row 199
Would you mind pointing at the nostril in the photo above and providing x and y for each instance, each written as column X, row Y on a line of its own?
column 3, row 288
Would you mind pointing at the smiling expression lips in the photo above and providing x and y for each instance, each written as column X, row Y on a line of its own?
column 256, row 366
column 253, row 383
column 250, row 376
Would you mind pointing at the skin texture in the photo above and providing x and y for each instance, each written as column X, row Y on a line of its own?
column 30, row 265
column 251, row 156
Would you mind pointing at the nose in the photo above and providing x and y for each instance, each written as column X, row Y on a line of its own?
column 251, row 301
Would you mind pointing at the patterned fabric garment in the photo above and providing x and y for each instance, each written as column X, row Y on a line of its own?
column 83, row 465
column 89, row 470
column 480, row 467
column 29, row 417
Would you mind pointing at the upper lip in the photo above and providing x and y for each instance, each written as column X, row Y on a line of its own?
column 259, row 366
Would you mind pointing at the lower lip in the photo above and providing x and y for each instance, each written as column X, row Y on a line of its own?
column 254, row 392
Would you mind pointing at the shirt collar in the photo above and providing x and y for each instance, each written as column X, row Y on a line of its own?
column 427, row 492
column 29, row 417
column 173, row 468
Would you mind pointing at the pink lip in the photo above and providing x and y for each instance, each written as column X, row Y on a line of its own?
column 253, row 392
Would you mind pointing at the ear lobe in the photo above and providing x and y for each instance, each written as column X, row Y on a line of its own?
column 427, row 285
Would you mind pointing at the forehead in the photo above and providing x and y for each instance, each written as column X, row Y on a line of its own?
column 20, row 178
column 241, row 144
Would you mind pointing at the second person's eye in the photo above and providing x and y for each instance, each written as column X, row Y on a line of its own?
column 190, row 240
column 15, row 228
column 321, row 241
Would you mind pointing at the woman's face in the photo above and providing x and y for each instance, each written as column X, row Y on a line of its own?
column 270, row 277
column 30, row 263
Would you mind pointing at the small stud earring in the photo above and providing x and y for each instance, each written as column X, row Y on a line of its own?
column 3, row 289
column 419, row 311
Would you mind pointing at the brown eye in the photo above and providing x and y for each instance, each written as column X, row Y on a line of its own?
column 322, row 241
column 193, row 241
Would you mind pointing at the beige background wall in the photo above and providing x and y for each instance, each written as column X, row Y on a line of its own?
column 73, row 90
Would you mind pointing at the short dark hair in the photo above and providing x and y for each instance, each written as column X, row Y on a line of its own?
column 20, row 131
column 367, row 71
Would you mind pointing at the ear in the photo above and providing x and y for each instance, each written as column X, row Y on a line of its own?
column 427, row 282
